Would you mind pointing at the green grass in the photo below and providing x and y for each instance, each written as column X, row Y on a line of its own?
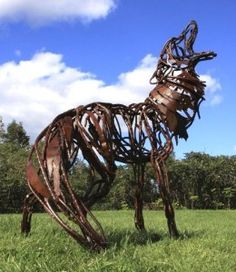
column 207, row 243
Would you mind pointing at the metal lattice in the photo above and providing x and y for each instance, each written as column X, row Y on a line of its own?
column 103, row 133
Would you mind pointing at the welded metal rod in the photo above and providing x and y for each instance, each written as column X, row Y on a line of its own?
column 104, row 133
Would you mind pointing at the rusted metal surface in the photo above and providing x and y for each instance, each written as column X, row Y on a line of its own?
column 104, row 133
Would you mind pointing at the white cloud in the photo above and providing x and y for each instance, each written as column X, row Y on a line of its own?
column 44, row 12
column 213, row 86
column 34, row 91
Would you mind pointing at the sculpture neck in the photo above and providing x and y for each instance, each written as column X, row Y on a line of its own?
column 177, row 99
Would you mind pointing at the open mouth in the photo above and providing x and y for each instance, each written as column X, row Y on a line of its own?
column 178, row 55
column 179, row 50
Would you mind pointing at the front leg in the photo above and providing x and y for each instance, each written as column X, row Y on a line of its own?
column 163, row 184
column 138, row 197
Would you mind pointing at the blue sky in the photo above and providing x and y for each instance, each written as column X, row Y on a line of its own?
column 56, row 55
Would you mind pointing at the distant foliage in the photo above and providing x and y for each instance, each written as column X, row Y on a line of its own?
column 204, row 182
column 199, row 181
column 14, row 147
column 16, row 135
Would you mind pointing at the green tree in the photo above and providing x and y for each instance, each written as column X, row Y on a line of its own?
column 2, row 131
column 204, row 181
column 14, row 145
column 16, row 135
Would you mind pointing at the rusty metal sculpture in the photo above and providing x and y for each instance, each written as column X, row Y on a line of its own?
column 104, row 133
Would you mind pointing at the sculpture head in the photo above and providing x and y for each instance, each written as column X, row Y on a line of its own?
column 179, row 91
column 178, row 51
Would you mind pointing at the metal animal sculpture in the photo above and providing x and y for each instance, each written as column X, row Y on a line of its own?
column 105, row 133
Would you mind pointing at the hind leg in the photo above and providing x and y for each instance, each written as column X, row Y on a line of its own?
column 29, row 201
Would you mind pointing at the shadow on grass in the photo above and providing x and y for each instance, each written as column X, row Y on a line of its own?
column 122, row 238
column 186, row 234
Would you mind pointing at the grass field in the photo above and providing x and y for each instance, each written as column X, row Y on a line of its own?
column 207, row 243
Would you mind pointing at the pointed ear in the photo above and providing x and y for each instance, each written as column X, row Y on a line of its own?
column 190, row 34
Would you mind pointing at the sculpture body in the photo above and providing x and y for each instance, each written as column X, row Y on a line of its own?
column 104, row 133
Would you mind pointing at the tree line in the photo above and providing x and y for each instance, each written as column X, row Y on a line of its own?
column 199, row 181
